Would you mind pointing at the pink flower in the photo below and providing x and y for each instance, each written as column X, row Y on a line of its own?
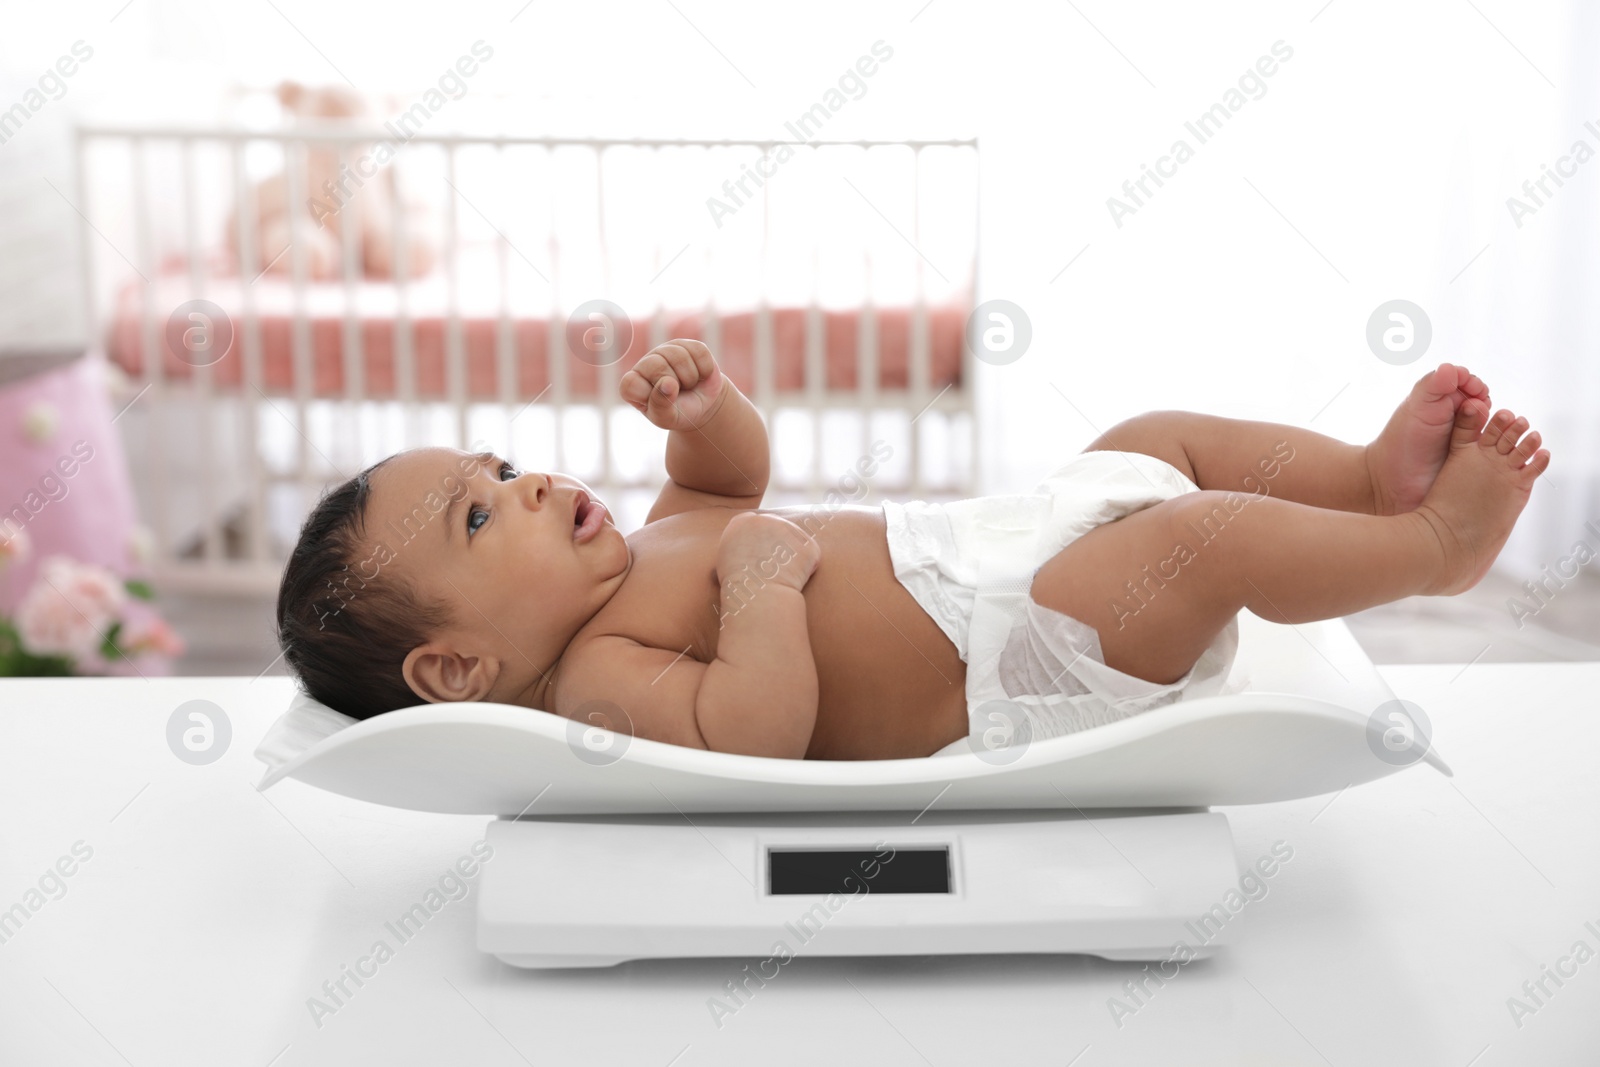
column 94, row 590
column 154, row 636
column 15, row 547
column 69, row 609
column 50, row 626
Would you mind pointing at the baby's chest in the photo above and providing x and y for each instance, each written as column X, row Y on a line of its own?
column 670, row 596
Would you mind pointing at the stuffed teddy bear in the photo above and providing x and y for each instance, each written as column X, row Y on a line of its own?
column 365, row 195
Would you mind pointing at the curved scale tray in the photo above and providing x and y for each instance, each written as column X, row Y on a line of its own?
column 1299, row 730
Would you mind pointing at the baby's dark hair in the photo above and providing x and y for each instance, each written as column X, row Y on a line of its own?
column 346, row 635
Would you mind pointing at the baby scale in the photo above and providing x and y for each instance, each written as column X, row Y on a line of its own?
column 608, row 848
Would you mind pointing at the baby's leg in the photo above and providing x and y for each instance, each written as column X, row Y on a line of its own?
column 1245, row 456
column 1158, row 585
column 1386, row 477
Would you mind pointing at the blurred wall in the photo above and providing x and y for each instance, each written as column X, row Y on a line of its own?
column 1373, row 163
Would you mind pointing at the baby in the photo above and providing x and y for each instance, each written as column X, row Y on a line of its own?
column 882, row 632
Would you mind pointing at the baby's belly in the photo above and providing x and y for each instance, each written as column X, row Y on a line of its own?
column 890, row 683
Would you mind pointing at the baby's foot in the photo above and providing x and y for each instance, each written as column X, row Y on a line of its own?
column 1405, row 458
column 1481, row 489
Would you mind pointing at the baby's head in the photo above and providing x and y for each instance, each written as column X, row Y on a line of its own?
column 438, row 575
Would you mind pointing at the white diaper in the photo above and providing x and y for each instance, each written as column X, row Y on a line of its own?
column 1032, row 672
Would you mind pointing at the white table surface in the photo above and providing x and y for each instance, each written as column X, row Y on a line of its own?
column 208, row 915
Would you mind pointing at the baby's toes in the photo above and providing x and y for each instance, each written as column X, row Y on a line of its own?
column 1496, row 429
column 1536, row 466
column 1441, row 381
column 1469, row 422
column 1508, row 440
column 1527, row 447
column 1472, row 385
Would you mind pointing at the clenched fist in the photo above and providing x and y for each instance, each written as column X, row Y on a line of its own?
column 676, row 385
column 767, row 548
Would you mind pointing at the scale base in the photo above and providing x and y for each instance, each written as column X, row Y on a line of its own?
column 595, row 891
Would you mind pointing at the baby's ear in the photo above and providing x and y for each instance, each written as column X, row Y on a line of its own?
column 439, row 674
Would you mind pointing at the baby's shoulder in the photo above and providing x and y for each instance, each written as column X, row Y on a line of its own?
column 593, row 658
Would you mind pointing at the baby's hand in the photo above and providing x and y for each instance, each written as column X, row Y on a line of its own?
column 676, row 385
column 769, row 548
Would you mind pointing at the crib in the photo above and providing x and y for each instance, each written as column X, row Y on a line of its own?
column 835, row 294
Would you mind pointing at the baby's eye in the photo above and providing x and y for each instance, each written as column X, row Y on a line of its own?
column 472, row 527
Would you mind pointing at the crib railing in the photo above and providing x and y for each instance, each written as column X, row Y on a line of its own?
column 209, row 479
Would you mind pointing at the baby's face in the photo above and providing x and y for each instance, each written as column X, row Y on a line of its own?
column 521, row 560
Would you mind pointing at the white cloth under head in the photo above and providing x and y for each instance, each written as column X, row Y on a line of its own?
column 301, row 728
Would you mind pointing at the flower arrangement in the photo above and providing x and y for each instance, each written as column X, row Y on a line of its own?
column 74, row 619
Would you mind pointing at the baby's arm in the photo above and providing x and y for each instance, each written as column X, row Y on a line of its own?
column 760, row 694
column 717, row 452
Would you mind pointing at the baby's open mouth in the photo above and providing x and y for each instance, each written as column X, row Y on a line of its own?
column 587, row 517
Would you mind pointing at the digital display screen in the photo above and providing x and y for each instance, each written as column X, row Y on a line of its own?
column 849, row 872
